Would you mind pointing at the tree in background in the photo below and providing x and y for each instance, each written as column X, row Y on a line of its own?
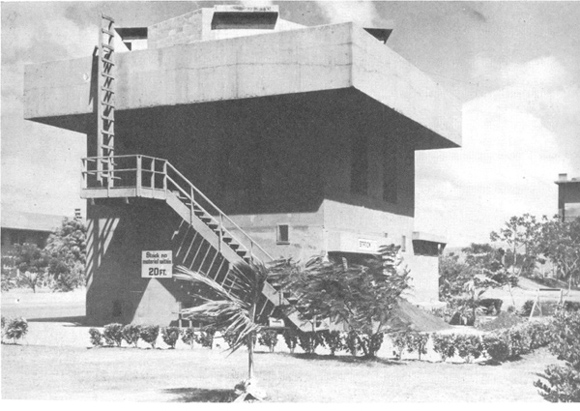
column 522, row 237
column 66, row 249
column 31, row 263
column 361, row 296
column 560, row 243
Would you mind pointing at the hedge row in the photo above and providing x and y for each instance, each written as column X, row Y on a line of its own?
column 499, row 346
column 114, row 334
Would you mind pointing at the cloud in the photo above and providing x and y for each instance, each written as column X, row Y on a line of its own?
column 361, row 12
column 510, row 155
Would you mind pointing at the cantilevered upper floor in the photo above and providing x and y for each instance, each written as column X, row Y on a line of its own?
column 213, row 67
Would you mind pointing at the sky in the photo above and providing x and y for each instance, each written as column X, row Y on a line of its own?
column 514, row 66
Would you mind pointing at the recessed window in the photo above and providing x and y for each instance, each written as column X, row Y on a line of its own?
column 282, row 234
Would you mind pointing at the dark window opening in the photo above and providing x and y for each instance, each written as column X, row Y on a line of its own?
column 359, row 165
column 244, row 20
column 390, row 172
column 429, row 248
column 282, row 234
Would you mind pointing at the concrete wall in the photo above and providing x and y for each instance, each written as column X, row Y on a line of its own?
column 118, row 232
column 282, row 62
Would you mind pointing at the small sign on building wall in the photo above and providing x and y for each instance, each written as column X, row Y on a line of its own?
column 367, row 245
column 157, row 264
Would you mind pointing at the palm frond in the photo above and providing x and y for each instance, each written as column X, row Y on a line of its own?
column 231, row 313
column 184, row 274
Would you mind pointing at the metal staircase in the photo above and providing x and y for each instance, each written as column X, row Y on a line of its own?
column 106, row 105
column 205, row 241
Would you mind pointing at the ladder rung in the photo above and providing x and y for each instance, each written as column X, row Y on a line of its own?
column 108, row 75
column 108, row 46
column 110, row 33
column 110, row 133
column 107, row 18
column 108, row 104
column 107, row 147
column 104, row 60
column 108, row 90
column 108, row 118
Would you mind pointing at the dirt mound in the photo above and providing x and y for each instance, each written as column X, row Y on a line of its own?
column 407, row 314
column 503, row 320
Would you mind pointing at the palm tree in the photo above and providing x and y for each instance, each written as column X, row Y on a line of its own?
column 232, row 310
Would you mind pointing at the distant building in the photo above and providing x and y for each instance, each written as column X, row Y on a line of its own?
column 305, row 137
column 568, row 197
column 19, row 227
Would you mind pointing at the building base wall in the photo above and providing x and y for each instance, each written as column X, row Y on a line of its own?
column 118, row 232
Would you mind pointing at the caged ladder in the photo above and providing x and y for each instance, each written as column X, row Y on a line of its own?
column 106, row 103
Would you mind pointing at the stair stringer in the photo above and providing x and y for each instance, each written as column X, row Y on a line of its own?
column 231, row 256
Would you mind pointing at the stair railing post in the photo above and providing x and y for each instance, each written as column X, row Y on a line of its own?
column 191, row 202
column 165, row 177
column 152, row 173
column 220, row 232
column 139, row 177
column 83, row 174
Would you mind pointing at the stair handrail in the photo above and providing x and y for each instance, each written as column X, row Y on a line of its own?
column 222, row 215
column 167, row 165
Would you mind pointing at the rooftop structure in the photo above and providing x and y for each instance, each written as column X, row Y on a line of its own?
column 568, row 197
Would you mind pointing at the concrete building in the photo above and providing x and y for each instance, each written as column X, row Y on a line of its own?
column 568, row 197
column 303, row 136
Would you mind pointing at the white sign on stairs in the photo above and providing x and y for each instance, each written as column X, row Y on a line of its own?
column 157, row 264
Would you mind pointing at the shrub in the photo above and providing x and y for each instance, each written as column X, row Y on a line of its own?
column 4, row 323
column 565, row 342
column 170, row 335
column 417, row 342
column 538, row 334
column 149, row 334
column 308, row 341
column 291, row 339
column 511, row 309
column 468, row 347
column 96, row 337
column 189, row 336
column 334, row 341
column 519, row 342
column 131, row 333
column 205, row 337
column 113, row 334
column 400, row 341
column 444, row 345
column 268, row 338
column 496, row 348
column 16, row 329
column 564, row 384
column 571, row 305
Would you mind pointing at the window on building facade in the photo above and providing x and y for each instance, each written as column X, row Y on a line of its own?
column 359, row 165
column 282, row 234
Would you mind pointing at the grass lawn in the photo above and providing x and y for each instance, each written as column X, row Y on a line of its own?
column 117, row 374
